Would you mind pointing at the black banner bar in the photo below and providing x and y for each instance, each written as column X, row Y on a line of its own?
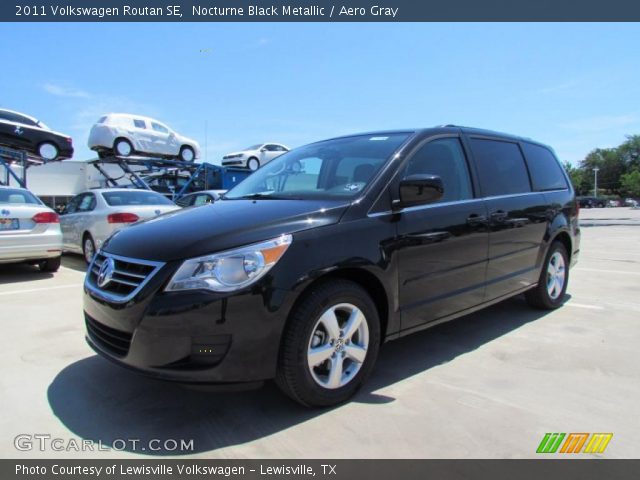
column 319, row 11
column 547, row 469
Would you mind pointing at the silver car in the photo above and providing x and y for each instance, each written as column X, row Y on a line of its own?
column 92, row 216
column 29, row 230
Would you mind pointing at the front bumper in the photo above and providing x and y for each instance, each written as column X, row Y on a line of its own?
column 30, row 246
column 192, row 337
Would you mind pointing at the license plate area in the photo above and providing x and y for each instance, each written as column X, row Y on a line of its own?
column 9, row 224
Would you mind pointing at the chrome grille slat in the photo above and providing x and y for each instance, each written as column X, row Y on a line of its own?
column 128, row 277
column 129, row 274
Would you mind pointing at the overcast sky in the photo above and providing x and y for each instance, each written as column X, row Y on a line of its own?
column 573, row 86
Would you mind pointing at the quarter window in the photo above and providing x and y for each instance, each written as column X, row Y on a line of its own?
column 546, row 172
column 501, row 167
column 139, row 124
column 445, row 158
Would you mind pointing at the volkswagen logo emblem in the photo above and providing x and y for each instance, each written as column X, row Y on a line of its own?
column 106, row 272
column 158, row 212
column 18, row 131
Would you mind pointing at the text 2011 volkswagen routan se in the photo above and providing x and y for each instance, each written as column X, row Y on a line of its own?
column 301, row 271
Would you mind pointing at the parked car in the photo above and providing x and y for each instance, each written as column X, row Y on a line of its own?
column 29, row 230
column 254, row 156
column 630, row 202
column 614, row 203
column 302, row 270
column 591, row 202
column 123, row 134
column 23, row 132
column 90, row 217
column 195, row 199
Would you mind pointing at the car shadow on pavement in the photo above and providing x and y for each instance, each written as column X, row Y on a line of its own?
column 102, row 402
column 21, row 272
column 74, row 262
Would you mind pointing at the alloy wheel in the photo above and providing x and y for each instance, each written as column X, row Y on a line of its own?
column 338, row 346
column 556, row 274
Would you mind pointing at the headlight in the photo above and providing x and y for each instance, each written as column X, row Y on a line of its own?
column 230, row 270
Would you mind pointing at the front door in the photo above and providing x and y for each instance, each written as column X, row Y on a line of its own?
column 443, row 247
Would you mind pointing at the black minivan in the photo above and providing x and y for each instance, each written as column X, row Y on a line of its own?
column 301, row 271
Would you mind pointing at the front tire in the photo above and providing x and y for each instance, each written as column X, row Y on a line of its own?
column 253, row 164
column 88, row 248
column 552, row 284
column 330, row 344
column 187, row 154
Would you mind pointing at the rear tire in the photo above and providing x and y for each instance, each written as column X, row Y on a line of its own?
column 88, row 248
column 122, row 147
column 50, row 264
column 554, row 277
column 330, row 344
column 48, row 151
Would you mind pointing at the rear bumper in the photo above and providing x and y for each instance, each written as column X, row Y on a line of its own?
column 24, row 247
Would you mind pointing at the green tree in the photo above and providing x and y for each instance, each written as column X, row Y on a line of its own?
column 576, row 174
column 630, row 183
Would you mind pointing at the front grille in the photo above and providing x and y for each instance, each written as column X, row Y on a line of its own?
column 126, row 279
column 114, row 341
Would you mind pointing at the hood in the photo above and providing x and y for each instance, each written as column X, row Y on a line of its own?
column 222, row 225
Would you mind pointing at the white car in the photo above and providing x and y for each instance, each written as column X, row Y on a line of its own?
column 29, row 230
column 92, row 216
column 255, row 156
column 124, row 135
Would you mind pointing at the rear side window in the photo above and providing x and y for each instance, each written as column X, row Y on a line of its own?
column 501, row 167
column 546, row 172
column 102, row 119
column 139, row 123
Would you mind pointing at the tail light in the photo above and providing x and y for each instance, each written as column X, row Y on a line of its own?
column 70, row 141
column 46, row 217
column 122, row 218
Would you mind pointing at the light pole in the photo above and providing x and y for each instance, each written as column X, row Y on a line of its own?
column 595, row 182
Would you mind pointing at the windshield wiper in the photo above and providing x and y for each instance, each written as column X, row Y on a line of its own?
column 253, row 196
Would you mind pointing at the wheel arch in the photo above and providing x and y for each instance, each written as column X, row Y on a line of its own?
column 365, row 279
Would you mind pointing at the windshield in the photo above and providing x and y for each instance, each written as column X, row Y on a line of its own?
column 339, row 168
column 254, row 147
column 116, row 199
column 11, row 196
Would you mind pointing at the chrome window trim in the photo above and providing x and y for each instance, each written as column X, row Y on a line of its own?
column 457, row 202
column 111, row 297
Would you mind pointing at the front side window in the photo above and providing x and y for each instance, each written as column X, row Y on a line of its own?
column 159, row 128
column 338, row 168
column 134, row 197
column 501, row 167
column 445, row 158
column 546, row 172
column 87, row 203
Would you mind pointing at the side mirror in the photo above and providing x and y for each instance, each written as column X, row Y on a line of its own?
column 420, row 189
column 263, row 150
